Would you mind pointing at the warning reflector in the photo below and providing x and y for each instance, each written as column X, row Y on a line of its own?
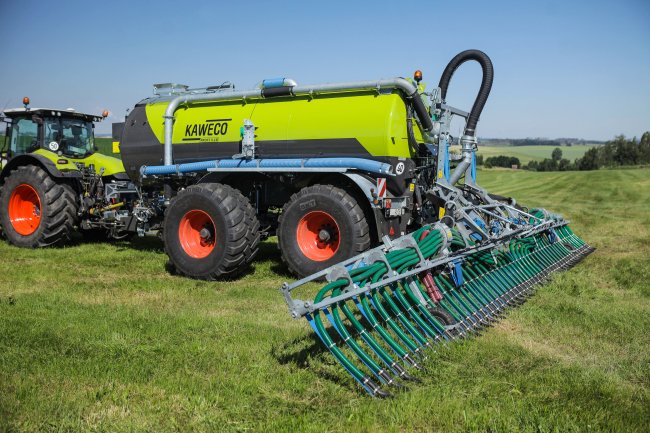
column 381, row 187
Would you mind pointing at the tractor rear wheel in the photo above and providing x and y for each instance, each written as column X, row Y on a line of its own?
column 210, row 231
column 36, row 211
column 320, row 226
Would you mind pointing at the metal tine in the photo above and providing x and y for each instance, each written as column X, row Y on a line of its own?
column 480, row 295
column 412, row 311
column 366, row 383
column 416, row 308
column 410, row 327
column 349, row 342
column 335, row 319
column 478, row 282
column 451, row 304
column 414, row 346
column 476, row 307
column 370, row 340
column 364, row 308
column 412, row 287
column 401, row 318
column 458, row 303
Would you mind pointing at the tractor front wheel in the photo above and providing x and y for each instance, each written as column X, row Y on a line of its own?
column 36, row 211
column 320, row 226
column 210, row 231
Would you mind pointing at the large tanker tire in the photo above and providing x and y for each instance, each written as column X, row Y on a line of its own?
column 36, row 211
column 320, row 226
column 210, row 232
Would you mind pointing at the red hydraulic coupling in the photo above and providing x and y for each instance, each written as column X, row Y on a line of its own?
column 427, row 279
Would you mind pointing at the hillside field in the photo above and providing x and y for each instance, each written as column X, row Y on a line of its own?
column 100, row 337
column 529, row 153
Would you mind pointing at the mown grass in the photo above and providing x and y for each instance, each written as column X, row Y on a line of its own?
column 530, row 153
column 105, row 146
column 99, row 337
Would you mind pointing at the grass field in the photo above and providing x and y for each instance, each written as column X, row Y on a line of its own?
column 99, row 337
column 105, row 146
column 529, row 153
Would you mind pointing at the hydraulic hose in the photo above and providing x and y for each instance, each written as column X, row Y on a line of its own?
column 484, row 91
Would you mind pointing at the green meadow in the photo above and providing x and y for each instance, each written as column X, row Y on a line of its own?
column 530, row 153
column 101, row 337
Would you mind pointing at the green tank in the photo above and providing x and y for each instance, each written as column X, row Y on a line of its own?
column 366, row 123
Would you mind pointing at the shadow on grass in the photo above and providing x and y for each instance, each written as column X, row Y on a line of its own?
column 308, row 353
column 145, row 243
column 134, row 242
column 268, row 251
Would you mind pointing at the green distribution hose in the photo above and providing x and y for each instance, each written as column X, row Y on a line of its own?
column 391, row 324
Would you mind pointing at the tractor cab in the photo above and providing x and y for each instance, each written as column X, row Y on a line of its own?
column 65, row 137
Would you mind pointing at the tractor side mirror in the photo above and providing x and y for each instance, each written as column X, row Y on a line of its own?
column 38, row 120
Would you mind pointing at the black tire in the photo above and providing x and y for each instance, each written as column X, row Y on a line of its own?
column 443, row 316
column 233, row 230
column 353, row 234
column 58, row 208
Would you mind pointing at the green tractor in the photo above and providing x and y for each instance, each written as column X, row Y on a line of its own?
column 52, row 178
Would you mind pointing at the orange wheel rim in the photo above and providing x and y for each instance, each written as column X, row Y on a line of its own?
column 197, row 234
column 318, row 236
column 24, row 209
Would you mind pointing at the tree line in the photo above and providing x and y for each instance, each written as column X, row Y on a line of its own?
column 537, row 141
column 614, row 153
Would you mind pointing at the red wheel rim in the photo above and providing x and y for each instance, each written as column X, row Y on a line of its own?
column 197, row 234
column 24, row 209
column 318, row 236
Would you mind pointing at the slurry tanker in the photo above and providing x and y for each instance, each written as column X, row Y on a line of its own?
column 356, row 179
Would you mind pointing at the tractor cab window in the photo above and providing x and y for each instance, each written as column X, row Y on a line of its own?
column 72, row 137
column 24, row 136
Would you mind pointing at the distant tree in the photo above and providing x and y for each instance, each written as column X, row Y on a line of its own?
column 532, row 165
column 557, row 154
column 589, row 160
column 644, row 148
column 502, row 161
column 479, row 159
column 564, row 165
column 547, row 165
column 626, row 152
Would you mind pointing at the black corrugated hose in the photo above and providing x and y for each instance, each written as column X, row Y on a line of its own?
column 484, row 91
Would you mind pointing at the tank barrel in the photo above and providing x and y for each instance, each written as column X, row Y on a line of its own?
column 396, row 83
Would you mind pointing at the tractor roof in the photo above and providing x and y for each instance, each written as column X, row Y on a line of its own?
column 16, row 112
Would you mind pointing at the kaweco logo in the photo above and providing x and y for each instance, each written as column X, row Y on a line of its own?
column 210, row 130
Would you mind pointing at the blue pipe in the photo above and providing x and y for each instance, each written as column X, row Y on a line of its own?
column 473, row 171
column 446, row 164
column 367, row 165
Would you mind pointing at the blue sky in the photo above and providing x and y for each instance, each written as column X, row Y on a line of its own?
column 562, row 68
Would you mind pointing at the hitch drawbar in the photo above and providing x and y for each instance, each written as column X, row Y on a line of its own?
column 382, row 310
